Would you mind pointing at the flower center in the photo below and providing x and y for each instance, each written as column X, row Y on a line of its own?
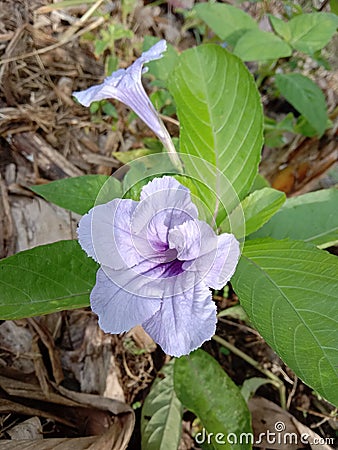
column 172, row 268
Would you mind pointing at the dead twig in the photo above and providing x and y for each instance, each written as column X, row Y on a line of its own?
column 62, row 42
column 33, row 146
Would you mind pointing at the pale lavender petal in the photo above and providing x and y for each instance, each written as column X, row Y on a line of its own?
column 125, row 85
column 184, row 321
column 150, row 279
column 117, row 310
column 84, row 232
column 105, row 234
column 167, row 183
column 187, row 240
column 101, row 91
column 225, row 262
column 214, row 258
column 164, row 204
column 158, row 262
column 155, row 52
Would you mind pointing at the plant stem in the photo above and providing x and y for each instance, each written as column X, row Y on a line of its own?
column 274, row 379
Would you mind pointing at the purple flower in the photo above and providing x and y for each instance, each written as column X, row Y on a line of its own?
column 157, row 264
column 126, row 86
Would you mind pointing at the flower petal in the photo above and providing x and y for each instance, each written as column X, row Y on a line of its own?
column 214, row 258
column 166, row 184
column 155, row 52
column 105, row 234
column 107, row 89
column 164, row 202
column 151, row 280
column 122, row 80
column 225, row 262
column 118, row 310
column 184, row 321
column 125, row 85
column 187, row 240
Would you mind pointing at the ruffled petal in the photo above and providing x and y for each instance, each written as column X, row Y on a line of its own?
column 105, row 234
column 184, row 321
column 186, row 239
column 225, row 262
column 169, row 185
column 155, row 52
column 214, row 258
column 118, row 310
column 164, row 204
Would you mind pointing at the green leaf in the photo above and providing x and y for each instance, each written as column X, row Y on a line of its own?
column 274, row 131
column 289, row 291
column 161, row 420
column 228, row 22
column 258, row 208
column 259, row 183
column 302, row 126
column 45, row 279
column 205, row 389
column 312, row 32
column 109, row 109
column 221, row 122
column 334, row 6
column 131, row 155
column 251, row 385
column 311, row 217
column 100, row 46
column 282, row 28
column 258, row 45
column 80, row 194
column 306, row 97
column 163, row 102
column 235, row 312
column 144, row 169
column 111, row 65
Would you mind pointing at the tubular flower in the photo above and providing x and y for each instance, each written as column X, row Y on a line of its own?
column 126, row 86
column 158, row 261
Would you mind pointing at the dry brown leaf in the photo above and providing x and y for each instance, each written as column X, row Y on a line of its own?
column 111, row 420
column 50, row 444
column 48, row 159
column 311, row 436
column 9, row 407
column 116, row 438
column 96, row 401
column 48, row 341
column 39, row 222
column 17, row 340
column 289, row 434
column 17, row 388
column 40, row 369
column 29, row 429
